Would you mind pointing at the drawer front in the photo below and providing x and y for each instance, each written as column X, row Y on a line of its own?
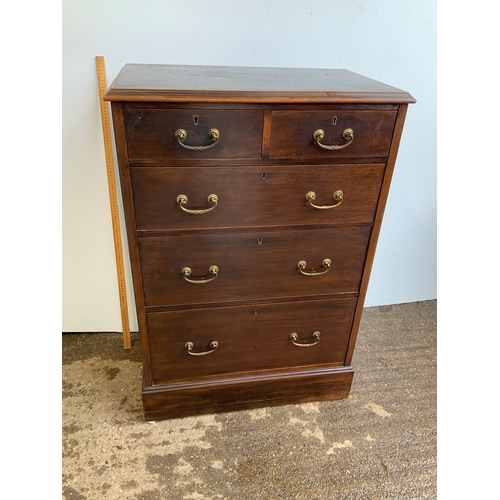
column 292, row 133
column 249, row 338
column 151, row 134
column 254, row 265
column 254, row 196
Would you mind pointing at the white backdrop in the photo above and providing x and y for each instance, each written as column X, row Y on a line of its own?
column 392, row 41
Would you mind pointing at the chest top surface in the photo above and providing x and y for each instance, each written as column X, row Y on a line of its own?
column 177, row 83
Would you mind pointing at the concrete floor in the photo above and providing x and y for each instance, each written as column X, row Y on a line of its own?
column 379, row 443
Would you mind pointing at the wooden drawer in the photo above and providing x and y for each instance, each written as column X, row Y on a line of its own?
column 253, row 265
column 292, row 133
column 250, row 338
column 254, row 196
column 151, row 132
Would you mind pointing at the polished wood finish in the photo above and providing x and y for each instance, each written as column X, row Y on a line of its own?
column 254, row 265
column 177, row 83
column 372, row 246
column 292, row 135
column 151, row 133
column 202, row 397
column 128, row 209
column 261, row 168
column 254, row 196
column 251, row 338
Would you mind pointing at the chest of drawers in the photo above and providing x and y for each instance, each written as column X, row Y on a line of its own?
column 253, row 201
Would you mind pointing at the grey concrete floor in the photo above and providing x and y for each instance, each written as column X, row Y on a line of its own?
column 379, row 443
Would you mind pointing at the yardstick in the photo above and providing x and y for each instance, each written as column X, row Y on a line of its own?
column 106, row 130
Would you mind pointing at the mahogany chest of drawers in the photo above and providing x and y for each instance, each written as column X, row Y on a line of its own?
column 253, row 200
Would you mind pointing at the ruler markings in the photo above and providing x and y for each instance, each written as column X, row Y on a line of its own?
column 106, row 130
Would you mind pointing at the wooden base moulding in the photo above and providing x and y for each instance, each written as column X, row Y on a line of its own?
column 243, row 393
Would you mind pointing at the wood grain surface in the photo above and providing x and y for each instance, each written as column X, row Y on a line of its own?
column 181, row 83
column 245, row 392
column 254, row 196
column 254, row 265
column 292, row 133
column 151, row 133
column 251, row 338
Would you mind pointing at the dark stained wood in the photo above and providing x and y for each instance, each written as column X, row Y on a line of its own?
column 128, row 206
column 249, row 302
column 370, row 255
column 250, row 269
column 151, row 133
column 242, row 393
column 266, row 134
column 292, row 133
column 177, row 83
column 261, row 169
column 254, row 196
column 219, row 162
column 250, row 338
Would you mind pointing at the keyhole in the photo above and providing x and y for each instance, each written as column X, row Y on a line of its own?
column 264, row 176
column 256, row 311
column 259, row 241
column 195, row 119
column 334, row 120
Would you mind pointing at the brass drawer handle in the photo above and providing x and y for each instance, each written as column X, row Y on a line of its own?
column 338, row 196
column 348, row 135
column 294, row 337
column 213, row 135
column 182, row 199
column 189, row 346
column 186, row 272
column 327, row 264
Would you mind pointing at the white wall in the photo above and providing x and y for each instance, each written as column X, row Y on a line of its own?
column 392, row 41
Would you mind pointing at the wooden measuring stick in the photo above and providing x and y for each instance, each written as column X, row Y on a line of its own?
column 106, row 130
